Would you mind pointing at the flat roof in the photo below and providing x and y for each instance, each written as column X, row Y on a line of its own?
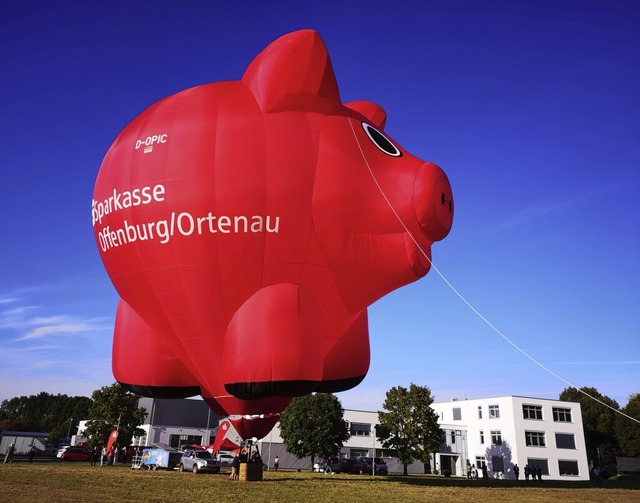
column 25, row 433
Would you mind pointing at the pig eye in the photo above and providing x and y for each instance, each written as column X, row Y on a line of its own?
column 381, row 141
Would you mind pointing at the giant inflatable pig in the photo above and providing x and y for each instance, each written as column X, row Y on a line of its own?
column 248, row 224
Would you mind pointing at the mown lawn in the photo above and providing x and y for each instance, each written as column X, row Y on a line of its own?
column 55, row 482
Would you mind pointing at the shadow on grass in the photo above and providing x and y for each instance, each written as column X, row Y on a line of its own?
column 631, row 481
column 618, row 482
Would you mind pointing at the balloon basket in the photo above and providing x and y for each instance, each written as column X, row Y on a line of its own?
column 250, row 471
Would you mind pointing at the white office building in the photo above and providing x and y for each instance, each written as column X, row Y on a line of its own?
column 494, row 432
column 512, row 430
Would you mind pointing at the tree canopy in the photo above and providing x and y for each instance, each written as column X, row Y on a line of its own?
column 114, row 408
column 56, row 414
column 628, row 431
column 313, row 426
column 409, row 426
column 597, row 419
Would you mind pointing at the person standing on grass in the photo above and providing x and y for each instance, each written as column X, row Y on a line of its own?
column 8, row 457
column 32, row 451
column 235, row 468
column 276, row 463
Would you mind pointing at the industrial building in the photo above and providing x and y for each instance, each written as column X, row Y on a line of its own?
column 498, row 433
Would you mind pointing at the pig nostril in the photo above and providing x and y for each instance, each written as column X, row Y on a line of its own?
column 449, row 206
column 442, row 198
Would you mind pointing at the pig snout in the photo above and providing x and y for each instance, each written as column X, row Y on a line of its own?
column 433, row 202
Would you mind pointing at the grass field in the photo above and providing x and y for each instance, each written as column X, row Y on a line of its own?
column 78, row 482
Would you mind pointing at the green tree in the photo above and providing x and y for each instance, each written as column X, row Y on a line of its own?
column 114, row 408
column 598, row 420
column 409, row 426
column 313, row 425
column 56, row 414
column 628, row 431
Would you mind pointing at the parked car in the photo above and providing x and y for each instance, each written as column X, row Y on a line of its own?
column 198, row 461
column 62, row 450
column 380, row 466
column 225, row 459
column 328, row 465
column 350, row 465
column 76, row 454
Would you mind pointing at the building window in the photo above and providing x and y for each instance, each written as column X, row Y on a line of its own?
column 178, row 441
column 565, row 441
column 532, row 412
column 568, row 467
column 453, row 437
column 494, row 411
column 534, row 438
column 479, row 411
column 482, row 436
column 496, row 437
column 561, row 415
column 360, row 429
column 542, row 463
column 358, row 453
column 480, row 462
column 457, row 414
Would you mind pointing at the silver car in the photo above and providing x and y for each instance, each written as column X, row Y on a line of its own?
column 198, row 461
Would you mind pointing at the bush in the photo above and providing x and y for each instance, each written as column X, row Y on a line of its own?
column 435, row 472
column 446, row 473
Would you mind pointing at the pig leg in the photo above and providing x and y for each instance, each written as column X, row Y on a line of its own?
column 273, row 345
column 143, row 364
column 340, row 373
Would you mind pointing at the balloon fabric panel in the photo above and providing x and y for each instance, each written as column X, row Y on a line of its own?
column 245, row 226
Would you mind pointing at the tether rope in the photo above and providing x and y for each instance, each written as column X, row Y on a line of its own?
column 463, row 299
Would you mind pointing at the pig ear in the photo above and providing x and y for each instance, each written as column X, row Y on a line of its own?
column 375, row 114
column 293, row 73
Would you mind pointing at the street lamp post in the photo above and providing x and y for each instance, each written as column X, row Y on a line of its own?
column 206, row 439
column 373, row 455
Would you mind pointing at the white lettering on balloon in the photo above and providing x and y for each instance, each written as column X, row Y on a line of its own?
column 184, row 224
column 126, row 199
column 150, row 141
column 181, row 223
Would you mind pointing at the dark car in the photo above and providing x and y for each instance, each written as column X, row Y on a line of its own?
column 333, row 464
column 380, row 466
column 76, row 454
column 327, row 465
column 350, row 465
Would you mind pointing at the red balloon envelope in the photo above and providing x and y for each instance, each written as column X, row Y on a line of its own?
column 247, row 225
column 254, row 426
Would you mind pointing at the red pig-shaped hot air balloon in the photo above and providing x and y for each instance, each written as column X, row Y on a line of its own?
column 247, row 225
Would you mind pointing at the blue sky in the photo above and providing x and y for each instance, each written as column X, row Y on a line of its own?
column 531, row 107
